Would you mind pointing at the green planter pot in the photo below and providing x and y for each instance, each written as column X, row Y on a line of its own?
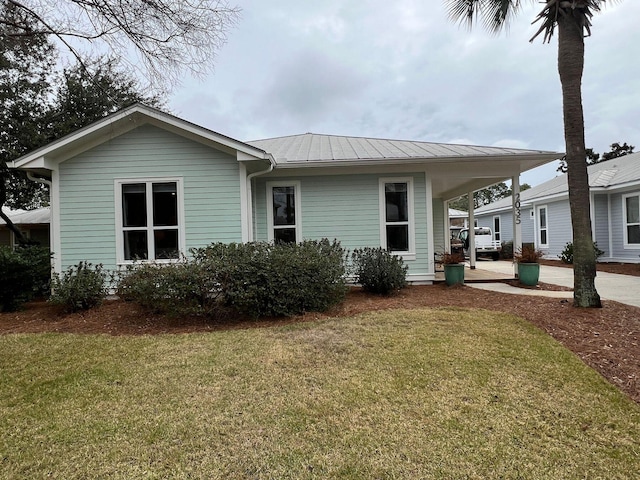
column 529, row 273
column 454, row 273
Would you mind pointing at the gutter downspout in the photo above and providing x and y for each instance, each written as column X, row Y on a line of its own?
column 250, row 177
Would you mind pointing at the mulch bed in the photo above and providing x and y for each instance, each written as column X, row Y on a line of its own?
column 607, row 339
column 609, row 267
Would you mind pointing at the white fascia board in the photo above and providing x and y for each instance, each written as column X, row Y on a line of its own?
column 125, row 120
column 250, row 153
column 400, row 161
column 617, row 187
column 26, row 161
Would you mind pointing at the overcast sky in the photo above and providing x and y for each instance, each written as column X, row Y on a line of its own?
column 403, row 70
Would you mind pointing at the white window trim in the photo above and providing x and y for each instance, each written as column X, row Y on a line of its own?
column 411, row 254
column 118, row 183
column 538, row 227
column 625, row 233
column 499, row 231
column 298, row 207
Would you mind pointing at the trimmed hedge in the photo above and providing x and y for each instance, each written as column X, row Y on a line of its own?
column 81, row 287
column 185, row 288
column 378, row 271
column 266, row 279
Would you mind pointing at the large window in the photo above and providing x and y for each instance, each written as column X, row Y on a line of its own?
column 149, row 219
column 283, row 207
column 543, row 229
column 396, row 212
column 631, row 205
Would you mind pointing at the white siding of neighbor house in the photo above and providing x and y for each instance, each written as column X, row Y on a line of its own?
column 601, row 223
column 87, row 196
column 346, row 207
column 558, row 227
column 618, row 225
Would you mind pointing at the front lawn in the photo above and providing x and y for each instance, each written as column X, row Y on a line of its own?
column 431, row 393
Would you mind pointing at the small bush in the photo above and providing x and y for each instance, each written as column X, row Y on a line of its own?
column 447, row 258
column 566, row 256
column 265, row 279
column 185, row 288
column 378, row 271
column 24, row 274
column 528, row 254
column 81, row 287
column 506, row 253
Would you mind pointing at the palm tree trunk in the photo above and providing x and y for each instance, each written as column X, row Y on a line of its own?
column 570, row 67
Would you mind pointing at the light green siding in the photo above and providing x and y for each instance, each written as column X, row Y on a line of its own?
column 439, row 233
column 211, row 185
column 347, row 207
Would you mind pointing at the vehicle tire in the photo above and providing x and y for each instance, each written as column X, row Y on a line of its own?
column 495, row 256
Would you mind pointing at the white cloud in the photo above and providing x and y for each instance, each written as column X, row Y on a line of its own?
column 404, row 70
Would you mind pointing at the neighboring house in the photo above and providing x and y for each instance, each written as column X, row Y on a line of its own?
column 34, row 224
column 546, row 217
column 459, row 218
column 143, row 184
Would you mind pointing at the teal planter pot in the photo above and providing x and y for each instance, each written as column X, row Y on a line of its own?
column 529, row 273
column 454, row 273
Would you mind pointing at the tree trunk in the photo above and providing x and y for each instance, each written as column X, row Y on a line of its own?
column 570, row 67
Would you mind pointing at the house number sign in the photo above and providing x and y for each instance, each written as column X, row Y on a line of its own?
column 516, row 207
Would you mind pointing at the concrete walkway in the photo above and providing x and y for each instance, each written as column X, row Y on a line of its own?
column 611, row 286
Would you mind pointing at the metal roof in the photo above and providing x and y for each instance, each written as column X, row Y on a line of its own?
column 311, row 147
column 27, row 217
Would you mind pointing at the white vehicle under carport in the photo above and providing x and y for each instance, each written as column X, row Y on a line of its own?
column 486, row 246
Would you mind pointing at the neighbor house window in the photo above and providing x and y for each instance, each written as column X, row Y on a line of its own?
column 496, row 228
column 396, row 212
column 283, row 207
column 631, row 205
column 543, row 229
column 149, row 219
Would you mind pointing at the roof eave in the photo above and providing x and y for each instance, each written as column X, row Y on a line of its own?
column 123, row 121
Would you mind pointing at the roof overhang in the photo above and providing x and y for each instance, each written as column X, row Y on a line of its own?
column 450, row 176
column 47, row 158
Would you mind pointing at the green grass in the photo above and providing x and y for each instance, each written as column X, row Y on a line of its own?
column 445, row 393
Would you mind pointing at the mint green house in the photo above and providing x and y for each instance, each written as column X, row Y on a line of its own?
column 143, row 184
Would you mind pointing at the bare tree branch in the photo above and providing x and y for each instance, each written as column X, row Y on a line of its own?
column 167, row 36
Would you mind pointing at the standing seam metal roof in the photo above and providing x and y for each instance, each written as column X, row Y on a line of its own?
column 310, row 147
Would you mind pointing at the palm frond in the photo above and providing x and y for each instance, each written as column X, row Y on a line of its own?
column 494, row 14
column 582, row 9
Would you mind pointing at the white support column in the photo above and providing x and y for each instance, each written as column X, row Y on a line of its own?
column 472, row 234
column 430, row 229
column 446, row 226
column 517, row 220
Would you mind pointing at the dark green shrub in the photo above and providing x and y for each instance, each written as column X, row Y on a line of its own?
column 81, row 287
column 566, row 256
column 378, row 271
column 506, row 253
column 265, row 279
column 185, row 288
column 24, row 274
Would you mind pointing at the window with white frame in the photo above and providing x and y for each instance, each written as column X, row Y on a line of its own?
column 631, row 206
column 496, row 228
column 283, row 207
column 396, row 213
column 149, row 214
column 543, row 229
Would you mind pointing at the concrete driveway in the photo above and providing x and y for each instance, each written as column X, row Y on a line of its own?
column 610, row 286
